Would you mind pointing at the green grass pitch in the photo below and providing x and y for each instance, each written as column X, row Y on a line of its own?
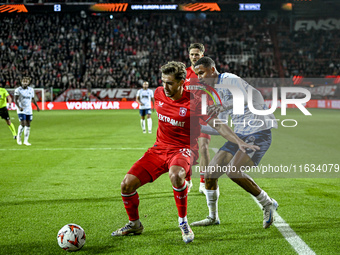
column 73, row 170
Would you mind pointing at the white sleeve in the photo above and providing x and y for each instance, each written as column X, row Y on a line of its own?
column 138, row 92
column 16, row 92
column 151, row 93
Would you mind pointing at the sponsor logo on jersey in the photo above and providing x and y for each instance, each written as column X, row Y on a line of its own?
column 170, row 120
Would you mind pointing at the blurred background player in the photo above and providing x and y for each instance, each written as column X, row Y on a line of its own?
column 229, row 154
column 4, row 98
column 23, row 98
column 196, row 51
column 174, row 151
column 144, row 98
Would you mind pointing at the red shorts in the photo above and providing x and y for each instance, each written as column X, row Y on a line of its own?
column 205, row 136
column 156, row 162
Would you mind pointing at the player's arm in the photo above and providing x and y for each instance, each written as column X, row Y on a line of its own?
column 153, row 103
column 35, row 103
column 16, row 101
column 9, row 99
column 228, row 133
column 138, row 101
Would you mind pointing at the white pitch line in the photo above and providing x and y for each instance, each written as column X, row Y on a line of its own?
column 68, row 149
column 288, row 233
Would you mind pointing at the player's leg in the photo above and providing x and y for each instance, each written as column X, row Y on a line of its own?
column 248, row 184
column 12, row 128
column 130, row 198
column 149, row 121
column 180, row 188
column 142, row 120
column 5, row 115
column 214, row 171
column 203, row 142
column 136, row 177
column 22, row 120
column 27, row 129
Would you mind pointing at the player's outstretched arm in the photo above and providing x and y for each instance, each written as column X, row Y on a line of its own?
column 229, row 134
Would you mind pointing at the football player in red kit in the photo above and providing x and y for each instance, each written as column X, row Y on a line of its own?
column 174, row 151
column 196, row 51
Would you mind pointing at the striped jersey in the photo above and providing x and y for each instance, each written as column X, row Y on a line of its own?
column 24, row 99
column 247, row 123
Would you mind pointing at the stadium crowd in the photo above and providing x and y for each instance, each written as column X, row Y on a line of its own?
column 89, row 51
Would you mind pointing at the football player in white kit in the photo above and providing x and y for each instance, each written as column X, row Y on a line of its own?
column 259, row 135
column 144, row 98
column 23, row 98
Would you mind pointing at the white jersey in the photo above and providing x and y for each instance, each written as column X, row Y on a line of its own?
column 247, row 123
column 145, row 96
column 24, row 99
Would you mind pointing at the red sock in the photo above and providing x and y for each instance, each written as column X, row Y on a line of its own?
column 131, row 203
column 181, row 199
column 202, row 177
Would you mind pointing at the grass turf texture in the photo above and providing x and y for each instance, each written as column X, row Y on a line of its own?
column 72, row 174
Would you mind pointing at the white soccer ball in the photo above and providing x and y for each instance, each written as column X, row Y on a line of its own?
column 71, row 237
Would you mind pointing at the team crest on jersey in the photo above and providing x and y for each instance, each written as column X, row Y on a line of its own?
column 160, row 104
column 182, row 111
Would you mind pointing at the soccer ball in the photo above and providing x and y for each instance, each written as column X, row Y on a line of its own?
column 71, row 237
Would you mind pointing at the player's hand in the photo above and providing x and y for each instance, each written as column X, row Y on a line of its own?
column 215, row 110
column 153, row 110
column 243, row 146
column 21, row 109
column 38, row 109
column 141, row 104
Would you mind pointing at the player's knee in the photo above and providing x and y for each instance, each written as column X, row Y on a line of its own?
column 177, row 178
column 127, row 186
column 204, row 148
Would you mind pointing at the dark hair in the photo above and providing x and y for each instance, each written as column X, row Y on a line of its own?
column 199, row 46
column 177, row 69
column 26, row 78
column 205, row 61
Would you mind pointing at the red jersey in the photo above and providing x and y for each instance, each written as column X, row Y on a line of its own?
column 190, row 75
column 178, row 121
column 191, row 84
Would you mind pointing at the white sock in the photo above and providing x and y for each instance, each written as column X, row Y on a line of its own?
column 26, row 133
column 150, row 124
column 142, row 123
column 263, row 198
column 20, row 129
column 212, row 202
column 181, row 220
column 135, row 223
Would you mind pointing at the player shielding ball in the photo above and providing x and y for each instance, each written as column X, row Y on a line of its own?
column 4, row 99
column 174, row 151
column 229, row 153
column 144, row 98
column 23, row 97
